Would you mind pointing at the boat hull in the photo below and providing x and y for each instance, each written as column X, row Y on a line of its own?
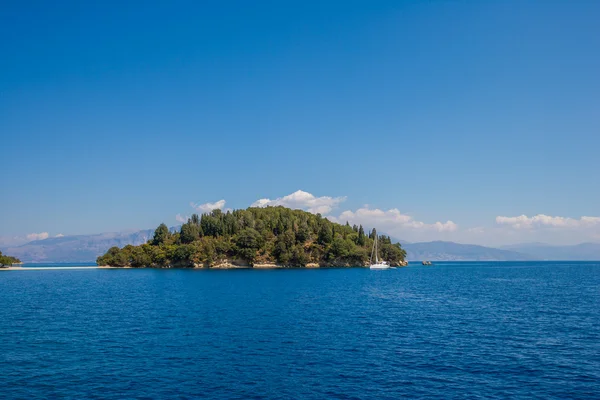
column 379, row 266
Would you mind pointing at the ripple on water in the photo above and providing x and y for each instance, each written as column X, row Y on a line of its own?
column 449, row 331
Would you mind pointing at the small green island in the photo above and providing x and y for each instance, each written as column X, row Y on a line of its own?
column 270, row 237
column 7, row 261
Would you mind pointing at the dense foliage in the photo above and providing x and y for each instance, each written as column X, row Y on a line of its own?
column 8, row 260
column 279, row 235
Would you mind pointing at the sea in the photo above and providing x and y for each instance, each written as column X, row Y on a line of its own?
column 454, row 330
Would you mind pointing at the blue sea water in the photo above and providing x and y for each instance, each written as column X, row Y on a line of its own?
column 453, row 330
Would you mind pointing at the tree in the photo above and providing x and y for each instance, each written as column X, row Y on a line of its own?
column 184, row 254
column 211, row 225
column 8, row 260
column 393, row 253
column 158, row 256
column 189, row 232
column 208, row 252
column 110, row 257
column 115, row 257
column 160, row 235
column 325, row 235
column 361, row 236
column 303, row 233
column 284, row 244
column 140, row 257
column 339, row 249
column 299, row 257
column 373, row 234
column 248, row 241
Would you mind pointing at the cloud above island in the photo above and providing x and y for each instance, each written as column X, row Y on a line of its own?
column 304, row 201
column 37, row 236
column 401, row 225
column 208, row 207
column 546, row 228
column 181, row 218
column 391, row 221
column 542, row 220
column 202, row 208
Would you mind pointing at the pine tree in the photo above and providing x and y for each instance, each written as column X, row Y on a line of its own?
column 189, row 232
column 160, row 235
column 325, row 236
column 361, row 236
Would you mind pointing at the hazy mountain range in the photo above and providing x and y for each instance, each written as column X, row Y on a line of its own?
column 80, row 248
column 542, row 251
column 86, row 248
column 448, row 251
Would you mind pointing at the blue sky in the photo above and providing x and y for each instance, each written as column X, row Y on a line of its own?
column 117, row 116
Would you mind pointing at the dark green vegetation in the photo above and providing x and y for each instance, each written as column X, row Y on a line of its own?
column 8, row 260
column 291, row 238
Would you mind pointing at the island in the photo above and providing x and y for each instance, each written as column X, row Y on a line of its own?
column 269, row 237
column 8, row 261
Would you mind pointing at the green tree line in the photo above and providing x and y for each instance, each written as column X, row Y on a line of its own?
column 279, row 235
column 8, row 260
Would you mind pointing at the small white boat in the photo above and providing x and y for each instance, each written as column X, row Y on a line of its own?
column 378, row 264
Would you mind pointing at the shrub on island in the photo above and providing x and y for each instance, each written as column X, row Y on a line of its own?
column 8, row 260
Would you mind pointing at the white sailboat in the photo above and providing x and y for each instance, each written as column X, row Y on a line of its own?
column 378, row 264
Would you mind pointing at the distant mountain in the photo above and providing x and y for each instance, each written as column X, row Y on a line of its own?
column 542, row 251
column 449, row 251
column 86, row 248
column 522, row 245
column 80, row 248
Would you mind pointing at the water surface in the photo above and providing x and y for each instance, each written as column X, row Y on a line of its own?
column 453, row 330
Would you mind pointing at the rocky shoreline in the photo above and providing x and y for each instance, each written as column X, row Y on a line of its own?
column 240, row 264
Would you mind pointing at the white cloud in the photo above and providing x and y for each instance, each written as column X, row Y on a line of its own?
column 391, row 220
column 542, row 220
column 304, row 201
column 208, row 207
column 38, row 236
column 59, row 235
column 181, row 218
column 448, row 226
column 395, row 223
column 591, row 220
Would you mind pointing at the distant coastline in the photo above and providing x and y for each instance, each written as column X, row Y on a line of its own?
column 85, row 249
